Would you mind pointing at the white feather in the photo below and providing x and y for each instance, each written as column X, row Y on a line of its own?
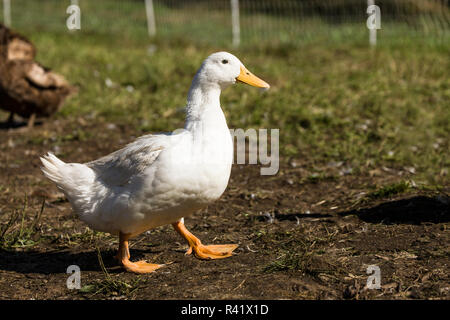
column 158, row 179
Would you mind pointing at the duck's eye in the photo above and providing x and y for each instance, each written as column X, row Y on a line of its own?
column 224, row 61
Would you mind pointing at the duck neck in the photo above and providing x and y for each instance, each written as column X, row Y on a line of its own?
column 203, row 106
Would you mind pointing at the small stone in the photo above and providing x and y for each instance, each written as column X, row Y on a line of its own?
column 111, row 126
column 346, row 171
column 411, row 170
column 290, row 181
column 335, row 164
column 108, row 82
column 11, row 143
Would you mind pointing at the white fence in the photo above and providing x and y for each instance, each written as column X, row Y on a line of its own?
column 236, row 21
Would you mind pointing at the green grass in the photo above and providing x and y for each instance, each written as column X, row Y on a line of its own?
column 317, row 178
column 398, row 188
column 287, row 261
column 88, row 236
column 298, row 253
column 390, row 190
column 333, row 98
column 211, row 24
column 17, row 231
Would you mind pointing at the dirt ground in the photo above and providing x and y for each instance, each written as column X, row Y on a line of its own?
column 298, row 238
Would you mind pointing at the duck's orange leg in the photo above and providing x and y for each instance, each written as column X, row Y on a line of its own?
column 202, row 251
column 124, row 258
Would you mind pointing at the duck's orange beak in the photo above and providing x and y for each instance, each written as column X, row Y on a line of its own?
column 249, row 78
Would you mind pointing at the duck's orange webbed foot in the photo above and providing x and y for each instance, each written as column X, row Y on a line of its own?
column 140, row 266
column 124, row 258
column 201, row 251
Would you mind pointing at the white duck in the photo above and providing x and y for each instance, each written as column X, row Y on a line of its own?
column 159, row 179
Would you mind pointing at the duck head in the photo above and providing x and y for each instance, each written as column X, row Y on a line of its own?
column 224, row 69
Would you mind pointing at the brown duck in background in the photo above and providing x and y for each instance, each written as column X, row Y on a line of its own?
column 27, row 88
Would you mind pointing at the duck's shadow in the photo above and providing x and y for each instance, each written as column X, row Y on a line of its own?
column 58, row 261
column 291, row 216
column 414, row 210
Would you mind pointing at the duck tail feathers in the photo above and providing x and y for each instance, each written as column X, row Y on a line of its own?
column 72, row 178
column 52, row 167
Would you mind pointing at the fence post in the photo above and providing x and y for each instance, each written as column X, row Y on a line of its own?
column 151, row 25
column 236, row 28
column 7, row 12
column 372, row 31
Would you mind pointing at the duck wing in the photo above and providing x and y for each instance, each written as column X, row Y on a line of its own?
column 117, row 168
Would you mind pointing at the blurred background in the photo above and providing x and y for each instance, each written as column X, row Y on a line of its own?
column 336, row 95
column 268, row 21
